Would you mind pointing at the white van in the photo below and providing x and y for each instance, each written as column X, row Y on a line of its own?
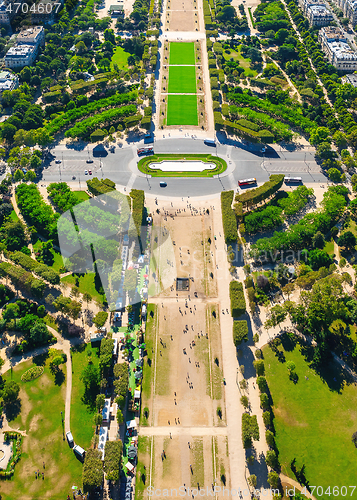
column 79, row 451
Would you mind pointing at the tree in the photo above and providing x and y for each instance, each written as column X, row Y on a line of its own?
column 273, row 479
column 271, row 459
column 259, row 367
column 347, row 240
column 320, row 135
column 264, row 401
column 277, row 315
column 334, row 174
column 288, row 289
column 98, row 419
column 55, row 363
column 18, row 175
column 11, row 312
column 100, row 319
column 39, row 333
column 318, row 240
column 290, row 365
column 90, row 377
column 252, row 480
column 340, row 139
column 270, row 439
column 10, row 392
column 99, row 402
column 319, row 258
column 87, row 297
column 262, row 384
column 245, row 402
column 324, row 151
column 8, row 131
column 120, row 418
column 30, row 176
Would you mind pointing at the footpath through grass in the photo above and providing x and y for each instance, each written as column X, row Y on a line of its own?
column 182, row 80
column 39, row 414
column 182, row 53
column 314, row 418
column 182, row 110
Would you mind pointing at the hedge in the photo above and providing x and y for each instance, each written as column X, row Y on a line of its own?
column 121, row 374
column 98, row 187
column 236, row 294
column 137, row 208
column 92, row 470
column 112, row 459
column 45, row 272
column 22, row 279
column 36, row 212
column 17, row 438
column 250, row 429
column 52, row 96
column 228, row 217
column 247, row 124
column 32, row 373
column 240, row 332
column 255, row 196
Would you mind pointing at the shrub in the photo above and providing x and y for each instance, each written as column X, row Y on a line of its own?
column 228, row 217
column 270, row 439
column 267, row 418
column 240, row 332
column 100, row 318
column 32, row 373
column 98, row 187
column 137, row 208
column 259, row 367
column 30, row 264
column 23, row 279
column 262, row 384
column 92, row 470
column 236, row 294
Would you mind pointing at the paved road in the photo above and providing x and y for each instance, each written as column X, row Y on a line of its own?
column 244, row 160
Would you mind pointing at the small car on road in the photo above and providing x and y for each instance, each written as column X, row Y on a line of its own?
column 86, row 172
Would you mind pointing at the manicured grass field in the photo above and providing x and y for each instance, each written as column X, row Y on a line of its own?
column 86, row 284
column 82, row 414
column 144, row 165
column 182, row 80
column 314, row 419
column 182, row 53
column 182, row 110
column 81, row 195
column 42, row 401
column 120, row 57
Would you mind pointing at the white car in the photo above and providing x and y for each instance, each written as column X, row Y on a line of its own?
column 86, row 172
column 58, row 161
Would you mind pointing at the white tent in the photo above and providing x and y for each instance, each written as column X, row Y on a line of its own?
column 137, row 394
column 131, row 424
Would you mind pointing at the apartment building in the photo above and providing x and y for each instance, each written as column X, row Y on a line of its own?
column 45, row 11
column 316, row 12
column 9, row 9
column 349, row 9
column 8, row 81
column 25, row 51
column 334, row 44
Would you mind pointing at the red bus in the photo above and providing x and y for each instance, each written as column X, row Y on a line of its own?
column 247, row 182
column 145, row 151
column 292, row 180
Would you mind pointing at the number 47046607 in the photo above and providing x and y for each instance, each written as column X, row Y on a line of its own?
column 335, row 491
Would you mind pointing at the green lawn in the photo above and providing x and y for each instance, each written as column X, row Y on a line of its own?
column 144, row 165
column 314, row 419
column 182, row 110
column 86, row 284
column 243, row 62
column 182, row 53
column 81, row 195
column 329, row 247
column 182, row 80
column 120, row 57
column 14, row 216
column 42, row 401
column 57, row 257
column 82, row 414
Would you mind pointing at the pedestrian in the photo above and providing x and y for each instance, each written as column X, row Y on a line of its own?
column 43, row 476
column 189, row 444
column 175, row 421
column 35, row 474
column 44, row 465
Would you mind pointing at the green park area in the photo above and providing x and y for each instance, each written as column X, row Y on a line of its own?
column 182, row 80
column 182, row 110
column 144, row 165
column 38, row 413
column 315, row 417
column 86, row 284
column 120, row 58
column 182, row 53
column 244, row 62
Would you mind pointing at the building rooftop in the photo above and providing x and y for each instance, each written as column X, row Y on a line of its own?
column 342, row 51
column 20, row 51
column 334, row 33
column 352, row 79
column 30, row 33
column 319, row 10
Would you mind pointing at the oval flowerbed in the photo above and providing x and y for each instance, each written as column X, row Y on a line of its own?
column 32, row 373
